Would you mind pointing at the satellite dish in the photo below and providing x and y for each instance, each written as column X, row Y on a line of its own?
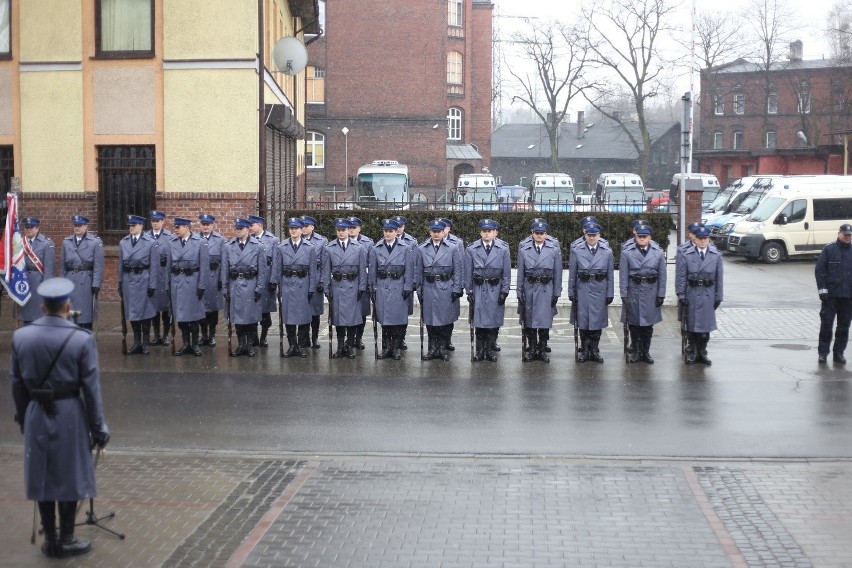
column 290, row 55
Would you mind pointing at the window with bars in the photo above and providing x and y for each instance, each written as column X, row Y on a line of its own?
column 7, row 168
column 315, row 84
column 127, row 177
column 5, row 29
column 124, row 28
column 454, row 124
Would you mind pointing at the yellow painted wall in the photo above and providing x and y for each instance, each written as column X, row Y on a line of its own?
column 211, row 141
column 200, row 29
column 52, row 131
column 51, row 30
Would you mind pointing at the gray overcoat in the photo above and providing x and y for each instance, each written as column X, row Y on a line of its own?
column 538, row 295
column 351, row 268
column 439, row 308
column 57, row 455
column 45, row 250
column 411, row 243
column 243, row 272
column 391, row 274
column 161, row 296
column 487, row 275
column 83, row 264
column 212, row 294
column 269, row 241
column 186, row 305
column 319, row 241
column 700, row 312
column 138, row 270
column 295, row 272
column 589, row 292
column 639, row 298
column 367, row 243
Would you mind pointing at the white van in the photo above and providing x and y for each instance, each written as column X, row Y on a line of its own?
column 477, row 192
column 553, row 192
column 799, row 219
column 621, row 193
column 729, row 199
column 709, row 184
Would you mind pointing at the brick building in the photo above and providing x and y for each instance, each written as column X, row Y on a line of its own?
column 784, row 120
column 409, row 81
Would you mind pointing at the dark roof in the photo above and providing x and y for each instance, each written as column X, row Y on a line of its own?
column 745, row 66
column 462, row 152
column 600, row 141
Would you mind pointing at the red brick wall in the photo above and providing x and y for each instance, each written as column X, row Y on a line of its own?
column 479, row 90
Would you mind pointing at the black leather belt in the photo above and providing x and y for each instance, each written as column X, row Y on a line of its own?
column 438, row 277
column 643, row 279
column 587, row 276
column 701, row 282
column 479, row 281
column 187, row 271
column 163, row 261
column 268, row 261
column 294, row 273
column 135, row 269
column 79, row 269
column 539, row 279
column 383, row 274
column 214, row 266
column 344, row 276
column 248, row 275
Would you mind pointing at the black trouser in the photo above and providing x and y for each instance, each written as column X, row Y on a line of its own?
column 840, row 308
column 167, row 322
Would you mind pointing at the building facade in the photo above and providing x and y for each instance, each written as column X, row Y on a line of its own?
column 111, row 107
column 786, row 119
column 408, row 81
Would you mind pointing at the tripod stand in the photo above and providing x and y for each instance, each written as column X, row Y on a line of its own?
column 94, row 520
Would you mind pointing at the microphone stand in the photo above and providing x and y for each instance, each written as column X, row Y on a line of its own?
column 91, row 518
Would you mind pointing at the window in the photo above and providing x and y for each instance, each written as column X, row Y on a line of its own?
column 795, row 210
column 455, row 13
column 124, row 28
column 772, row 102
column 739, row 103
column 126, row 184
column 833, row 209
column 5, row 29
column 314, row 150
column 454, row 124
column 770, row 138
column 718, row 140
column 454, row 68
column 804, row 97
column 738, row 140
column 7, row 169
column 315, row 84
column 718, row 104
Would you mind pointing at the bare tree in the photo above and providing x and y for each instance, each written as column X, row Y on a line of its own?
column 772, row 23
column 624, row 41
column 839, row 30
column 559, row 54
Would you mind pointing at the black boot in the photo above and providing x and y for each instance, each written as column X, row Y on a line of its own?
column 212, row 322
column 302, row 338
column 479, row 351
column 530, row 352
column 350, row 341
column 69, row 545
column 292, row 342
column 146, row 336
column 594, row 340
column 583, row 348
column 158, row 340
column 358, row 342
column 396, row 344
column 341, row 344
column 187, row 343
column 636, row 343
column 193, row 333
column 432, row 351
column 265, row 324
column 204, row 334
column 491, row 345
column 692, row 348
column 542, row 350
column 387, row 345
column 447, row 335
column 701, row 349
column 315, row 325
column 137, row 338
column 167, row 328
column 47, row 512
column 647, row 334
column 240, row 350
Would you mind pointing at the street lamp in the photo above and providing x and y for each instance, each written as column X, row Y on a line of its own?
column 345, row 132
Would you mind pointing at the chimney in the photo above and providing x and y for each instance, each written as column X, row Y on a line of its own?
column 581, row 123
column 796, row 50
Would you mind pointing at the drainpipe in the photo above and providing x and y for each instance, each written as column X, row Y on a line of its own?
column 261, row 122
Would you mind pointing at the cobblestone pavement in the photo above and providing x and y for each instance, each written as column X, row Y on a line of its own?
column 272, row 511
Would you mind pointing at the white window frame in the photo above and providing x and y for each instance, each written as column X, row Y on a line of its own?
column 5, row 28
column 803, row 98
column 772, row 102
column 771, row 139
column 455, row 120
column 739, row 103
column 312, row 141
column 718, row 104
column 455, row 13
column 718, row 140
column 455, row 68
column 739, row 140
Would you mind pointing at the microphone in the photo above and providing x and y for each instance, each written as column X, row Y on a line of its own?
column 74, row 314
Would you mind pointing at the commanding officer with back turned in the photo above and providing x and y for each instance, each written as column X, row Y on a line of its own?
column 138, row 276
column 57, row 395
column 83, row 263
column 833, row 273
column 40, row 265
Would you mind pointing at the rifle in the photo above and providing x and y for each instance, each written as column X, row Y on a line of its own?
column 281, row 325
column 626, row 333
column 123, row 327
column 684, row 334
column 174, row 316
column 230, row 321
column 472, row 331
column 421, row 327
column 95, row 310
column 522, row 319
column 375, row 328
column 574, row 310
column 330, row 325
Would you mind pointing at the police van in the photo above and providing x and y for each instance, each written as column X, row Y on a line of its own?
column 477, row 192
column 800, row 218
column 553, row 192
column 729, row 199
column 722, row 226
column 709, row 185
column 621, row 192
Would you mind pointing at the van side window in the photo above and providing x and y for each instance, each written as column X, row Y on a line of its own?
column 796, row 210
column 833, row 209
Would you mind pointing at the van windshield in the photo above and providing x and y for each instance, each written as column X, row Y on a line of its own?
column 381, row 187
column 722, row 199
column 766, row 209
column 750, row 202
column 624, row 194
column 479, row 195
column 544, row 196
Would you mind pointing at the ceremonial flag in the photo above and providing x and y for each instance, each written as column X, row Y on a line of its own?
column 14, row 267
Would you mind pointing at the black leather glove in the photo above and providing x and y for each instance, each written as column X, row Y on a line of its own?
column 823, row 297
column 501, row 299
column 271, row 287
column 716, row 304
column 151, row 292
column 406, row 294
column 623, row 301
column 659, row 302
column 609, row 300
column 360, row 295
column 95, row 290
column 257, row 296
column 521, row 300
column 199, row 293
column 310, row 296
column 20, row 423
column 219, row 284
column 456, row 295
column 100, row 439
column 572, row 299
column 470, row 299
column 684, row 302
column 553, row 301
column 319, row 288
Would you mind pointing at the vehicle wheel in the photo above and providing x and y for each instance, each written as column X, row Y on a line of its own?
column 772, row 253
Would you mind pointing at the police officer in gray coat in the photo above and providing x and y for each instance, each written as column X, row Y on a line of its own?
column 457, row 242
column 161, row 237
column 213, row 292
column 82, row 262
column 539, row 287
column 699, row 286
column 367, row 243
column 412, row 243
column 243, row 273
column 188, row 266
column 57, row 395
column 642, row 285
column 591, row 288
column 318, row 305
column 39, row 266
column 138, row 276
column 344, row 276
column 391, row 270
column 294, row 272
column 488, row 275
column 268, row 301
column 441, row 267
